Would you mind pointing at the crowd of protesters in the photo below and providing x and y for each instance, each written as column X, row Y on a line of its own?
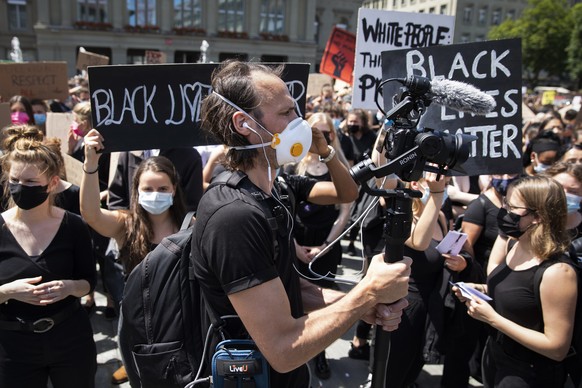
column 53, row 233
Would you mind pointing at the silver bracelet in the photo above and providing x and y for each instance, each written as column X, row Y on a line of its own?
column 329, row 157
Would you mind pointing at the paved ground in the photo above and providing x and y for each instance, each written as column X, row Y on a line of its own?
column 345, row 372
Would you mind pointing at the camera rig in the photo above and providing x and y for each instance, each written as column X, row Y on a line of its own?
column 410, row 152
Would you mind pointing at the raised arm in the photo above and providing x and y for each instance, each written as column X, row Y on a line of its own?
column 342, row 188
column 422, row 232
column 105, row 222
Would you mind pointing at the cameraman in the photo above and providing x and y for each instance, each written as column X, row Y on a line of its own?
column 236, row 263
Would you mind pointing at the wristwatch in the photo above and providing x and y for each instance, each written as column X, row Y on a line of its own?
column 328, row 157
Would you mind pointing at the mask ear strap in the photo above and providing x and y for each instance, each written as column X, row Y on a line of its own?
column 263, row 145
column 235, row 106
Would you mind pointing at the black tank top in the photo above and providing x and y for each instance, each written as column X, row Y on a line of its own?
column 426, row 267
column 513, row 296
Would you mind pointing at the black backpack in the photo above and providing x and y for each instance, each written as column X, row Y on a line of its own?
column 159, row 339
column 160, row 335
column 573, row 361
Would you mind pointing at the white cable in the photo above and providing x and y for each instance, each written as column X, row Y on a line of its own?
column 329, row 275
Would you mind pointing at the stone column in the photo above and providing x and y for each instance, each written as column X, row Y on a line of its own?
column 292, row 18
column 42, row 15
column 68, row 12
column 165, row 19
column 210, row 10
column 118, row 13
column 309, row 20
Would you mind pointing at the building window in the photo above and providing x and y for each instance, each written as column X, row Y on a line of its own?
column 136, row 56
column 468, row 15
column 187, row 14
column 465, row 38
column 480, row 38
column 272, row 16
column 142, row 12
column 483, row 15
column 496, row 17
column 186, row 56
column 443, row 10
column 224, row 56
column 431, row 10
column 316, row 25
column 17, row 14
column 231, row 15
column 92, row 11
column 274, row 58
column 510, row 14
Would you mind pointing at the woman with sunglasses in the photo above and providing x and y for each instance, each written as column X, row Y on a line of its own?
column 530, row 337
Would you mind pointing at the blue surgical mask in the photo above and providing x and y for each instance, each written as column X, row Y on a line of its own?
column 540, row 167
column 425, row 195
column 501, row 185
column 573, row 202
column 40, row 118
column 155, row 202
column 336, row 123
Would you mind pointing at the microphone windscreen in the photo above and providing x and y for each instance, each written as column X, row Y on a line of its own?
column 461, row 96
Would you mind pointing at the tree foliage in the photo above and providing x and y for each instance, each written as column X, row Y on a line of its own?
column 575, row 46
column 544, row 28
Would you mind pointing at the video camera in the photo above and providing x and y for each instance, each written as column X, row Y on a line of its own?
column 409, row 149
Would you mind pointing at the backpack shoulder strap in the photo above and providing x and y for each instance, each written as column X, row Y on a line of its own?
column 238, row 180
column 188, row 220
column 286, row 193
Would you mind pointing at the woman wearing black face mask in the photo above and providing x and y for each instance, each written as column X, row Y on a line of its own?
column 530, row 337
column 480, row 219
column 46, row 266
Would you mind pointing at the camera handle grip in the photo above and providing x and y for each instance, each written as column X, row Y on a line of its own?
column 396, row 231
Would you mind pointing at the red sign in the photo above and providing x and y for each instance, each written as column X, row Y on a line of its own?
column 339, row 54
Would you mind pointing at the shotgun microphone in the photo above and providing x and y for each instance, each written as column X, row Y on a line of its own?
column 456, row 95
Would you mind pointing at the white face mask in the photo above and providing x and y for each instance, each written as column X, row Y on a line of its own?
column 154, row 202
column 291, row 145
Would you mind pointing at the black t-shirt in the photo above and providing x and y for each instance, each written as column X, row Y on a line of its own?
column 68, row 256
column 313, row 216
column 347, row 146
column 481, row 211
column 233, row 250
column 363, row 145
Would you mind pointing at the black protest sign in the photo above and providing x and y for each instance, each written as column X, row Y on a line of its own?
column 137, row 107
column 494, row 67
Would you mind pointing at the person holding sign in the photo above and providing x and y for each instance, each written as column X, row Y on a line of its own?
column 246, row 269
column 46, row 266
column 531, row 336
column 156, row 210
